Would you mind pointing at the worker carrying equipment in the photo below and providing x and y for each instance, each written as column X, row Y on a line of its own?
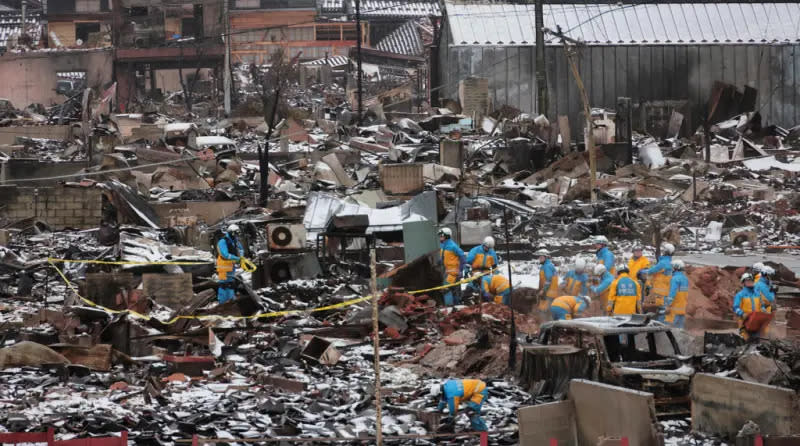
column 453, row 260
column 752, row 314
column 496, row 288
column 624, row 294
column 603, row 254
column 548, row 280
column 230, row 253
column 765, row 288
column 455, row 391
column 674, row 310
column 575, row 282
column 659, row 277
column 604, row 281
column 482, row 257
column 569, row 307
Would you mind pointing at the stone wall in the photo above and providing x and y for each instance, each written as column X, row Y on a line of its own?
column 60, row 207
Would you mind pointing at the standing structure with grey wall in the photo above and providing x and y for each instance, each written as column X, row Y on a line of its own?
column 645, row 51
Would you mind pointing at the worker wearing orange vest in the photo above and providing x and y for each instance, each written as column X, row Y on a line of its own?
column 229, row 254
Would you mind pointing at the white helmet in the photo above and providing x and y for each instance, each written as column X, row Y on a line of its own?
column 447, row 232
column 758, row 267
column 587, row 299
column 622, row 268
column 599, row 269
column 768, row 270
column 541, row 252
column 233, row 228
column 745, row 277
column 580, row 265
column 600, row 240
column 668, row 248
column 488, row 242
column 678, row 265
column 436, row 390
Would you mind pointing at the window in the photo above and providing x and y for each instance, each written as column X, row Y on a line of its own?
column 248, row 4
column 87, row 5
column 82, row 31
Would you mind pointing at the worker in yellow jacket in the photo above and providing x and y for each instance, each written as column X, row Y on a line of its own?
column 678, row 297
column 569, row 307
column 659, row 276
column 496, row 288
column 548, row 280
column 624, row 294
column 453, row 392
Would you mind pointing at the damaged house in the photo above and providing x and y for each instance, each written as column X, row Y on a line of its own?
column 666, row 56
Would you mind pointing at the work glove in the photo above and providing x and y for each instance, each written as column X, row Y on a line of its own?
column 467, row 271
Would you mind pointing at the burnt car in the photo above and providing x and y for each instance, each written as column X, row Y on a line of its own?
column 635, row 352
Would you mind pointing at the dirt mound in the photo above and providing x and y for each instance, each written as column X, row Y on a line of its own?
column 711, row 292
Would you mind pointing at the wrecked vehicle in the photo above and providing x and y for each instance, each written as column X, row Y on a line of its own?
column 634, row 352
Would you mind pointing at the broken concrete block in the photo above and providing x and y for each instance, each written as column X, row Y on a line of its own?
column 759, row 369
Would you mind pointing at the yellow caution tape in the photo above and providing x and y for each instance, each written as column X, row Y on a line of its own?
column 175, row 319
column 247, row 265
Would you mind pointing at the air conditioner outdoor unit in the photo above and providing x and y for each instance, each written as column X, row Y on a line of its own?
column 286, row 236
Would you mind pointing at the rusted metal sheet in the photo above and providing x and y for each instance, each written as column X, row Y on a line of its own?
column 402, row 179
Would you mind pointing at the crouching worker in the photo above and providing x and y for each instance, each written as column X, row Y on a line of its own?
column 747, row 304
column 496, row 288
column 569, row 307
column 456, row 391
column 229, row 254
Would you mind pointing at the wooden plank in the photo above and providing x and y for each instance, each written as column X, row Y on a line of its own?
column 563, row 128
column 97, row 357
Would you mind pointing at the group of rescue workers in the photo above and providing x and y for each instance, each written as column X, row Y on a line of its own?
column 620, row 289
column 626, row 288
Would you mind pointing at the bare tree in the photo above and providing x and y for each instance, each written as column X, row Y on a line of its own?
column 272, row 81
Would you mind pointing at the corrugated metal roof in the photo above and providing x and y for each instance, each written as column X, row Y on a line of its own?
column 405, row 40
column 334, row 61
column 398, row 8
column 602, row 24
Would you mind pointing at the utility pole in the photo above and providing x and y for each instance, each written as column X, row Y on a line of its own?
column 512, row 342
column 227, row 74
column 588, row 135
column 358, row 60
column 376, row 348
column 24, row 10
column 541, row 73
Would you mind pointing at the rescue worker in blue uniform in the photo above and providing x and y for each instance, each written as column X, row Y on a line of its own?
column 453, row 260
column 229, row 254
column 659, row 276
column 624, row 294
column 548, row 280
column 603, row 254
column 569, row 307
column 746, row 302
column 674, row 310
column 766, row 288
column 575, row 282
column 482, row 257
column 496, row 288
column 604, row 279
column 456, row 391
